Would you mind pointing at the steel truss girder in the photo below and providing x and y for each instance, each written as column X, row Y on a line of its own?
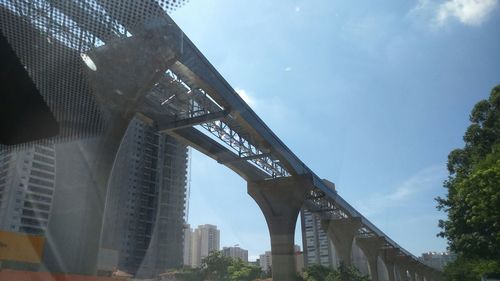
column 190, row 122
column 244, row 148
column 202, row 104
column 246, row 158
column 220, row 153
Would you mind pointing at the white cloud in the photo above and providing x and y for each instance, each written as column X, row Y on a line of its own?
column 422, row 181
column 288, row 68
column 468, row 12
column 297, row 9
column 246, row 97
column 273, row 110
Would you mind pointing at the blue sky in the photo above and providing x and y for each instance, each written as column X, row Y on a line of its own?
column 371, row 95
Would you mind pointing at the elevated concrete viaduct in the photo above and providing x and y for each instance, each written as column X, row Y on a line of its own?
column 115, row 59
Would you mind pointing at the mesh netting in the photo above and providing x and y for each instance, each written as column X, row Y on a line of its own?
column 49, row 37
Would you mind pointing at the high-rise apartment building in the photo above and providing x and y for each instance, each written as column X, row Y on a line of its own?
column 438, row 259
column 27, row 181
column 266, row 261
column 235, row 253
column 204, row 240
column 318, row 249
column 187, row 257
column 143, row 225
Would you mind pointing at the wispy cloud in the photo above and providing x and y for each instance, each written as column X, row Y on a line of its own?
column 468, row 12
column 288, row 68
column 421, row 182
column 272, row 108
column 297, row 9
column 246, row 97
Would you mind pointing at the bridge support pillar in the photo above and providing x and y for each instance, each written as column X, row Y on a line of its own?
column 427, row 275
column 436, row 275
column 403, row 273
column 371, row 246
column 391, row 268
column 413, row 273
column 390, row 256
column 424, row 273
column 405, row 265
column 280, row 201
column 342, row 232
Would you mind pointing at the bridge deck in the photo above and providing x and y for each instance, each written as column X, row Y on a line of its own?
column 222, row 126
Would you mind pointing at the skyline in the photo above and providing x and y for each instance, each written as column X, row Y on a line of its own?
column 382, row 94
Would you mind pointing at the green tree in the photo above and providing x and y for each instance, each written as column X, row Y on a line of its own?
column 190, row 274
column 215, row 267
column 466, row 269
column 473, row 194
column 342, row 273
column 240, row 271
column 316, row 272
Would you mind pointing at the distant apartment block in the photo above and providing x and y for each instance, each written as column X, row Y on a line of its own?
column 48, row 190
column 204, row 240
column 187, row 257
column 143, row 226
column 318, row 249
column 266, row 261
column 27, row 182
column 236, row 253
column 437, row 260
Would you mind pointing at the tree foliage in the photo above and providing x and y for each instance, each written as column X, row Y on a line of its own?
column 466, row 269
column 342, row 273
column 240, row 271
column 473, row 199
column 217, row 267
column 473, row 195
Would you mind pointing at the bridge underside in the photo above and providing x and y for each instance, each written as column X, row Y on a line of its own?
column 98, row 63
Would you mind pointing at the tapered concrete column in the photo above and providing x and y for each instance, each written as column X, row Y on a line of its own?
column 403, row 273
column 403, row 265
column 342, row 232
column 424, row 272
column 437, row 275
column 412, row 272
column 390, row 256
column 390, row 270
column 427, row 273
column 420, row 271
column 280, row 201
column 83, row 171
column 371, row 246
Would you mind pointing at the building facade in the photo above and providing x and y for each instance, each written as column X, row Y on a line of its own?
column 27, row 182
column 236, row 253
column 204, row 240
column 318, row 249
column 143, row 225
column 187, row 258
column 438, row 260
column 266, row 261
